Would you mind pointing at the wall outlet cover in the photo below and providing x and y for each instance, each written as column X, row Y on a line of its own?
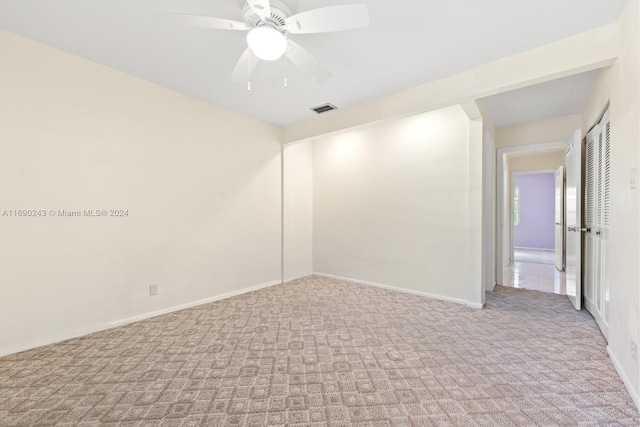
column 153, row 289
column 633, row 179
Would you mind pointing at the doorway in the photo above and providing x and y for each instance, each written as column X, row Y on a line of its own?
column 527, row 213
column 534, row 205
column 535, row 157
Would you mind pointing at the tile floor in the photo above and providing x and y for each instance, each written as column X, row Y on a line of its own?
column 535, row 256
column 534, row 270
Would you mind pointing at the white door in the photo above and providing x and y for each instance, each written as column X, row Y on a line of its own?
column 597, row 221
column 604, row 175
column 573, row 220
column 559, row 219
column 591, row 297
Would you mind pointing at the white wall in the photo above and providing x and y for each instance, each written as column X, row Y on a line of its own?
column 474, row 266
column 552, row 130
column 298, row 210
column 490, row 215
column 489, row 211
column 201, row 184
column 536, row 161
column 392, row 204
column 620, row 85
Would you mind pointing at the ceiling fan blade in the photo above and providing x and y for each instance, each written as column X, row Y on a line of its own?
column 262, row 8
column 301, row 58
column 329, row 19
column 201, row 21
column 245, row 66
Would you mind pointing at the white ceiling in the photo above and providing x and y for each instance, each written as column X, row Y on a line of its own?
column 409, row 42
column 556, row 98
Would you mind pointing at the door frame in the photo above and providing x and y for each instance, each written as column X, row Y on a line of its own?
column 513, row 186
column 504, row 253
column 562, row 171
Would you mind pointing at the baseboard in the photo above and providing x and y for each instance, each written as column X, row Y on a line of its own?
column 291, row 279
column 476, row 305
column 110, row 325
column 625, row 379
column 534, row 249
column 394, row 288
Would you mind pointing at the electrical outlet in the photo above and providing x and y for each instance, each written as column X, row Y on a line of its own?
column 153, row 290
column 634, row 350
column 633, row 179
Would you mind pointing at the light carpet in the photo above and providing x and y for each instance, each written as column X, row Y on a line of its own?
column 323, row 352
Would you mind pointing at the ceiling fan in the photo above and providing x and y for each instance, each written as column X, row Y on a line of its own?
column 269, row 24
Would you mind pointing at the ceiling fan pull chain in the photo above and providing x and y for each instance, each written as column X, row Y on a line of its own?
column 285, row 71
column 249, row 74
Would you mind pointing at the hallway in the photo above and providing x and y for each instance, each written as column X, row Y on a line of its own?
column 534, row 270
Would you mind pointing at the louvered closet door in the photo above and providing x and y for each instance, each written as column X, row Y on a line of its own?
column 590, row 219
column 597, row 231
column 597, row 219
column 605, row 224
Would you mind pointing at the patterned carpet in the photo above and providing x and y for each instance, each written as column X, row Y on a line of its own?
column 323, row 352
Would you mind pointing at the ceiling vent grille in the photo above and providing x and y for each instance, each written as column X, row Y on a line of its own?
column 324, row 108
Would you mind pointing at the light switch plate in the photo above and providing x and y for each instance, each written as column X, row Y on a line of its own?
column 633, row 180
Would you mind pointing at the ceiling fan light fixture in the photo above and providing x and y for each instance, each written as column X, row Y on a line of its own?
column 267, row 43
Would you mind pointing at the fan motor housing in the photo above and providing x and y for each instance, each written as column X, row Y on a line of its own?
column 279, row 12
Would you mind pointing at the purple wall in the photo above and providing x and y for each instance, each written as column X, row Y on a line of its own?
column 537, row 208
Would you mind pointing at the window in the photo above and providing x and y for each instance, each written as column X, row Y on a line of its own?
column 516, row 206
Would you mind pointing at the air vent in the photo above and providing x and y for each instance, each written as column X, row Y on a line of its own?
column 324, row 108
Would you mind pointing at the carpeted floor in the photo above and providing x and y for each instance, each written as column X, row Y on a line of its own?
column 322, row 352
